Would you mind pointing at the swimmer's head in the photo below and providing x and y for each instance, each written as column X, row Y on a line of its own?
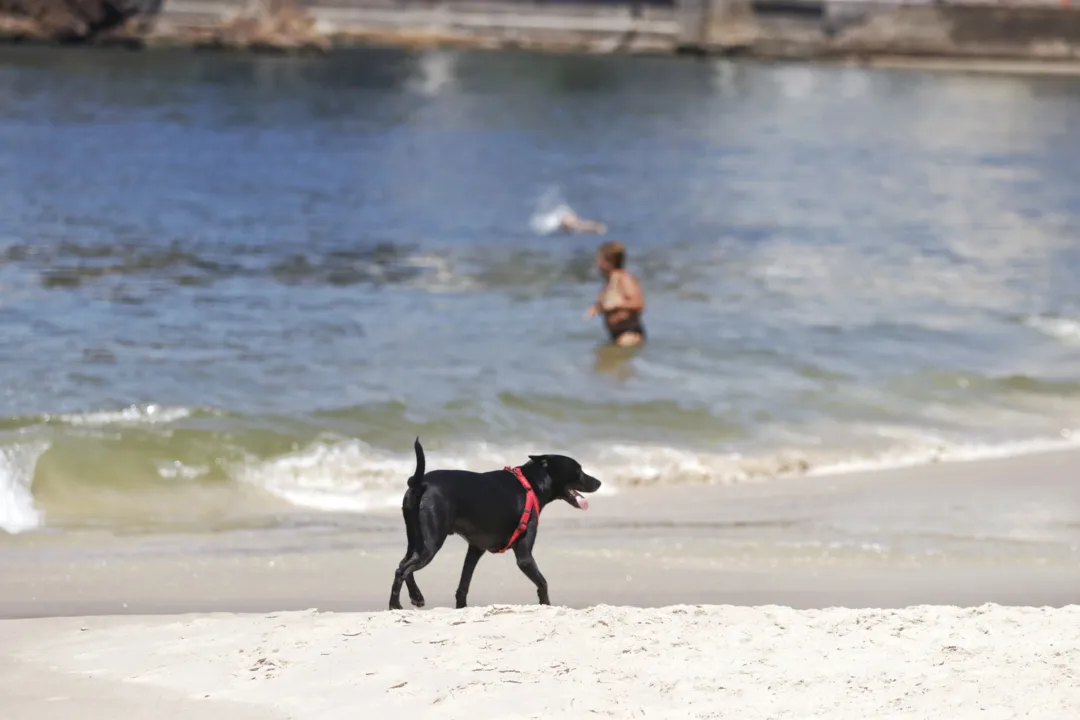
column 610, row 256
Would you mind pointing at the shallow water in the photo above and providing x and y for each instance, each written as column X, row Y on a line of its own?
column 229, row 283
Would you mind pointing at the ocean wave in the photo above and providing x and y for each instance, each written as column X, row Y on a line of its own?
column 158, row 465
column 346, row 476
column 150, row 414
column 351, row 476
column 933, row 450
column 18, row 513
column 131, row 415
column 175, row 469
column 1060, row 328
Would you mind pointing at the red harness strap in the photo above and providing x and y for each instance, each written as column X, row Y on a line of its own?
column 532, row 507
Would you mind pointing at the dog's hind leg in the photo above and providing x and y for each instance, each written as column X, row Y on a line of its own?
column 472, row 556
column 416, row 544
column 403, row 574
column 412, row 553
column 400, row 577
column 410, row 511
column 431, row 529
column 526, row 563
column 415, row 596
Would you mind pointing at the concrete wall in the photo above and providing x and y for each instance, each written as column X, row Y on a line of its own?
column 1032, row 32
column 973, row 31
column 596, row 25
column 778, row 28
column 1038, row 29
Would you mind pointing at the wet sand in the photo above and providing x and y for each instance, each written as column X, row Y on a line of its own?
column 1002, row 531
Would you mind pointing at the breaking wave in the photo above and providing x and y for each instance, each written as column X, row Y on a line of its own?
column 17, row 510
column 158, row 466
column 1061, row 328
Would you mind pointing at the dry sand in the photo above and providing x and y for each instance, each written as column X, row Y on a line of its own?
column 506, row 662
column 699, row 576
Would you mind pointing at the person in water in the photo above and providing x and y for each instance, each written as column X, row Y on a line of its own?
column 621, row 301
column 571, row 222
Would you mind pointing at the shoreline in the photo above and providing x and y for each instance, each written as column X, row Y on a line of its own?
column 963, row 38
column 242, row 505
column 1000, row 531
column 357, row 42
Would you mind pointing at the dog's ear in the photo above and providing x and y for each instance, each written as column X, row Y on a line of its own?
column 541, row 459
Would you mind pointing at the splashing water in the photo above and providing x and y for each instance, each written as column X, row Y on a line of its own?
column 550, row 210
column 17, row 511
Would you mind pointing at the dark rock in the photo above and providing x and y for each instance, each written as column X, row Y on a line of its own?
column 69, row 20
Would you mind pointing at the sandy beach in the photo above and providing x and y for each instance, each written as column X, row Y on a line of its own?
column 515, row 662
column 690, row 602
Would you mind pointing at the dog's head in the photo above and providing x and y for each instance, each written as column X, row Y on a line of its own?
column 568, row 480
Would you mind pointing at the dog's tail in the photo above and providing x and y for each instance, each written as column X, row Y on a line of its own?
column 417, row 480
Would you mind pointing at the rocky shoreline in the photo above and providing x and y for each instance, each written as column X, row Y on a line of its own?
column 983, row 38
column 73, row 21
column 260, row 26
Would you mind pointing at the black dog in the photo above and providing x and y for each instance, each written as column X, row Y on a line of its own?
column 493, row 511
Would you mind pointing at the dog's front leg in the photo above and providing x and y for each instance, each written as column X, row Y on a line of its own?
column 527, row 565
column 472, row 556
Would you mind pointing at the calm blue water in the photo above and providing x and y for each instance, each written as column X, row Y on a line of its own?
column 232, row 282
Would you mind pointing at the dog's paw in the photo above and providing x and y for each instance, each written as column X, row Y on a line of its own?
column 395, row 605
column 417, row 601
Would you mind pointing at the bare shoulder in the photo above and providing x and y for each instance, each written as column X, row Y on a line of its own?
column 627, row 278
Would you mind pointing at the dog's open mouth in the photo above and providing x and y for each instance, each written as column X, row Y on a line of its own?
column 576, row 499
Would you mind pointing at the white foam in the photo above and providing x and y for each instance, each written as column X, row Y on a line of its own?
column 131, row 415
column 351, row 476
column 1063, row 329
column 943, row 451
column 177, row 469
column 17, row 463
column 346, row 476
column 628, row 465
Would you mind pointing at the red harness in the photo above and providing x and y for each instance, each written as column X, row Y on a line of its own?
column 532, row 507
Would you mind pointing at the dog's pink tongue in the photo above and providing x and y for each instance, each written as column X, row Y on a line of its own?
column 582, row 503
